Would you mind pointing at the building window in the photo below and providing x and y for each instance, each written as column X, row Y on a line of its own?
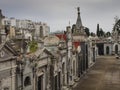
column 107, row 50
column 27, row 81
column 116, row 49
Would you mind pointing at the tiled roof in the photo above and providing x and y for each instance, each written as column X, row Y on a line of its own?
column 61, row 36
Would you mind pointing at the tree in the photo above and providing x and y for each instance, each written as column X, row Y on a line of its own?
column 33, row 46
column 98, row 32
column 73, row 28
column 108, row 34
column 92, row 34
column 116, row 19
column 101, row 32
column 87, row 31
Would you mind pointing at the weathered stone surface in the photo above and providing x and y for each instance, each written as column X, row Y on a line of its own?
column 104, row 75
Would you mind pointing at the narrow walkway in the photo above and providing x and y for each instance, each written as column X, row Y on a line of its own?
column 104, row 75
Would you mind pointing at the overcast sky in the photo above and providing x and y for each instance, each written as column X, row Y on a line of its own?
column 58, row 13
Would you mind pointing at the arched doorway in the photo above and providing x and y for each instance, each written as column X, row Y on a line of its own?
column 116, row 49
column 100, row 47
column 107, row 50
column 40, row 82
column 27, row 81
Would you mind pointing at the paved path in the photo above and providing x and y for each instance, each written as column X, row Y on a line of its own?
column 104, row 75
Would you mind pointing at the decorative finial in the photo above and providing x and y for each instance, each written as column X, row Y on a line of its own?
column 78, row 8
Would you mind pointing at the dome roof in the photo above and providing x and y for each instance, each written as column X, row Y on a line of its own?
column 51, row 40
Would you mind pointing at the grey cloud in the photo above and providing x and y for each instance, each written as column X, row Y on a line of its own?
column 57, row 13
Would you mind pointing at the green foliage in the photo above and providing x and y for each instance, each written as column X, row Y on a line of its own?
column 108, row 34
column 87, row 31
column 116, row 18
column 117, row 27
column 98, row 34
column 73, row 28
column 92, row 34
column 100, row 31
column 33, row 46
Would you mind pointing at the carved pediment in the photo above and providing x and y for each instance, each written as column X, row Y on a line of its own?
column 43, row 55
column 6, row 52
